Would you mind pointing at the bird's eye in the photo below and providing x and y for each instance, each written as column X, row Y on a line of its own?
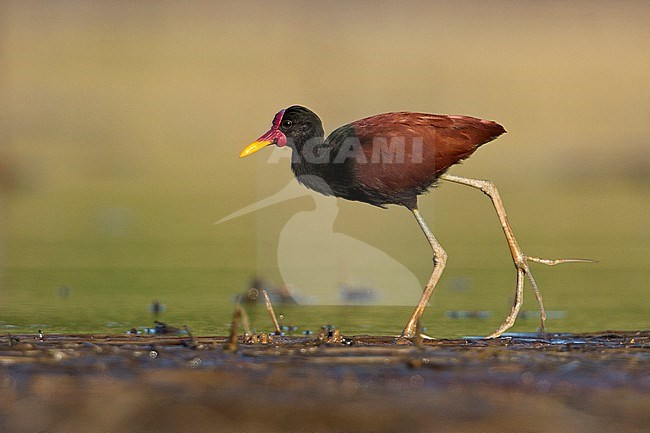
column 287, row 124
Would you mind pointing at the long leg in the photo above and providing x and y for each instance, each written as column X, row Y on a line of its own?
column 439, row 262
column 519, row 258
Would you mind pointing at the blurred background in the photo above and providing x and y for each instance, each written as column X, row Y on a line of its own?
column 121, row 125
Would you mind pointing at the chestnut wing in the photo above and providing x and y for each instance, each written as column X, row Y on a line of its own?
column 406, row 152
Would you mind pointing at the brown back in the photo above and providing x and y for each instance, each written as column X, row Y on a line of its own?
column 409, row 151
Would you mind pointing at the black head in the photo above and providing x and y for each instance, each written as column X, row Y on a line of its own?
column 299, row 125
column 292, row 127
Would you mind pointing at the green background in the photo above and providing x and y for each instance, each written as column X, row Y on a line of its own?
column 121, row 123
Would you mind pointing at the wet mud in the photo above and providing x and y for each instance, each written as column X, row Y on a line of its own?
column 325, row 383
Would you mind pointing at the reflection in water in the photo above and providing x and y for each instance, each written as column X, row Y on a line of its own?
column 329, row 268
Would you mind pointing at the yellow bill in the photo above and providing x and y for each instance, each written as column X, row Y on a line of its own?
column 254, row 147
column 273, row 136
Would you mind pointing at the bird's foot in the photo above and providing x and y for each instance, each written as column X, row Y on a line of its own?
column 412, row 334
column 403, row 340
column 523, row 269
column 553, row 262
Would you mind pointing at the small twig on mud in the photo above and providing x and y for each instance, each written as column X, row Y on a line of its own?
column 269, row 307
column 245, row 323
column 232, row 343
column 239, row 316
column 193, row 343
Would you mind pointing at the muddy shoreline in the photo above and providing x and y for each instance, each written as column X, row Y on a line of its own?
column 523, row 382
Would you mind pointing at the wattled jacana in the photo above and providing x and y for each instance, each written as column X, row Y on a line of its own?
column 392, row 158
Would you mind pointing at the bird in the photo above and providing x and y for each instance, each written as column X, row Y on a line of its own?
column 392, row 159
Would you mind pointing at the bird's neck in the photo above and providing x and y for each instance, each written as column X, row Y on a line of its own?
column 310, row 162
column 310, row 152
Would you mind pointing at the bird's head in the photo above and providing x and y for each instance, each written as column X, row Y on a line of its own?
column 292, row 127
